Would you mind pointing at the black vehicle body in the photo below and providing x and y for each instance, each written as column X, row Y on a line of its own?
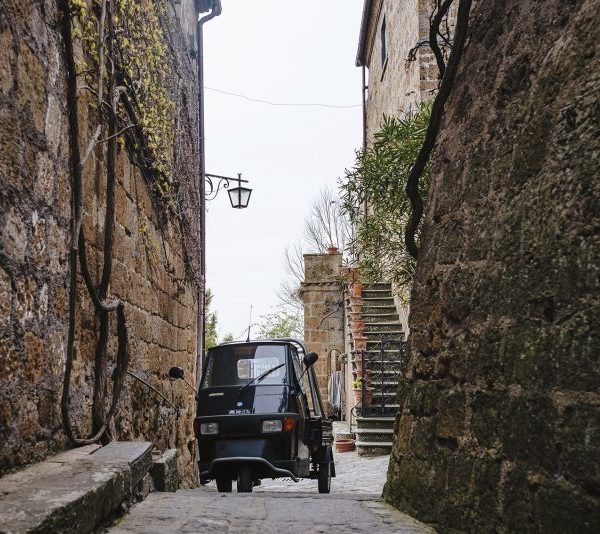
column 252, row 386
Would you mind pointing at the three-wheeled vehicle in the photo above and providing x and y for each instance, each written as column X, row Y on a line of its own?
column 260, row 415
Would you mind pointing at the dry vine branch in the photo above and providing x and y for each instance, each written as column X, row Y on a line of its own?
column 436, row 18
column 437, row 110
column 78, row 251
column 434, row 31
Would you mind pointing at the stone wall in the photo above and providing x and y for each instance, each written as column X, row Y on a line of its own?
column 323, row 297
column 149, row 271
column 500, row 426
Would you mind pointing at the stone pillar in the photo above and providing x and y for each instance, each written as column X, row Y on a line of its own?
column 323, row 297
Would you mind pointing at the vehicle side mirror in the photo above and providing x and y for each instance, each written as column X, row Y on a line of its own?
column 176, row 372
column 310, row 359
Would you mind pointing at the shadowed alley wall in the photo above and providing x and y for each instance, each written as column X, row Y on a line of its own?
column 500, row 426
column 151, row 264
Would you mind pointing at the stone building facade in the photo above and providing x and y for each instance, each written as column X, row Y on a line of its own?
column 151, row 269
column 500, row 426
column 390, row 29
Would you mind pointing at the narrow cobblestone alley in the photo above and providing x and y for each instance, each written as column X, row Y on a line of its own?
column 279, row 506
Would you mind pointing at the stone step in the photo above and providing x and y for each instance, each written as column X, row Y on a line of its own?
column 389, row 341
column 76, row 491
column 374, row 435
column 378, row 301
column 382, row 329
column 375, row 410
column 385, row 382
column 388, row 398
column 375, row 422
column 374, row 449
column 388, row 385
column 374, row 345
column 391, row 362
column 390, row 326
column 380, row 318
column 376, row 352
column 378, row 285
column 376, row 294
column 390, row 376
column 391, row 379
column 378, row 308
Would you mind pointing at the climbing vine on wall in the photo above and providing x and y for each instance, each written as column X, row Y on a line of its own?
column 146, row 110
column 379, row 180
column 118, row 75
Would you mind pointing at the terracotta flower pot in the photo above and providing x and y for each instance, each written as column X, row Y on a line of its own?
column 357, row 328
column 368, row 398
column 355, row 301
column 354, row 315
column 345, row 445
column 356, row 290
column 356, row 308
column 360, row 342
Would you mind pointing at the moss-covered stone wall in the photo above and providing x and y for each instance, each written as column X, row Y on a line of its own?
column 499, row 429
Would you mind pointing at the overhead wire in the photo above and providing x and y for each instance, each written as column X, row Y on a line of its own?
column 281, row 104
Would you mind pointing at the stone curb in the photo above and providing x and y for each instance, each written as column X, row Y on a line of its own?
column 164, row 471
column 76, row 491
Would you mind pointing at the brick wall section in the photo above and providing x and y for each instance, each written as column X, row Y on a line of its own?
column 500, row 426
column 322, row 294
column 35, row 216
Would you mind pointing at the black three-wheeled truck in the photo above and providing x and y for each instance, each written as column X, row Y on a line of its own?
column 260, row 415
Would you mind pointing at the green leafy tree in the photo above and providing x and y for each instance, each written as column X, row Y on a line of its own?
column 211, row 322
column 378, row 179
column 283, row 322
column 227, row 337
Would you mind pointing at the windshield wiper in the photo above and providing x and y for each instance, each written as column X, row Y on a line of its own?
column 261, row 376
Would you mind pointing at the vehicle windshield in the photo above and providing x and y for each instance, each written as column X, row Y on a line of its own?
column 238, row 365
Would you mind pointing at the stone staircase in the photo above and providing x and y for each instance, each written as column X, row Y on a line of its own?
column 375, row 425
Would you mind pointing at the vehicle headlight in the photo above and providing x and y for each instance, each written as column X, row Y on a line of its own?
column 272, row 426
column 208, row 429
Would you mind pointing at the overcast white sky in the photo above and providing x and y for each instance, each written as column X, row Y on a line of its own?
column 289, row 51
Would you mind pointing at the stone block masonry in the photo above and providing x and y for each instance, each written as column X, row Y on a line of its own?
column 396, row 85
column 499, row 429
column 151, row 258
column 322, row 294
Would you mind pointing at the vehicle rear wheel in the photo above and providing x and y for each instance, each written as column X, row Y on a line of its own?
column 324, row 478
column 244, row 480
column 224, row 485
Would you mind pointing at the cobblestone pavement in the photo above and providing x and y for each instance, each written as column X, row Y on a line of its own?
column 279, row 506
column 204, row 511
column 354, row 474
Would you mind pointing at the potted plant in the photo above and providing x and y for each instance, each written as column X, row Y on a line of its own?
column 357, row 388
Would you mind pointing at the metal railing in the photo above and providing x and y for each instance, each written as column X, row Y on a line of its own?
column 379, row 370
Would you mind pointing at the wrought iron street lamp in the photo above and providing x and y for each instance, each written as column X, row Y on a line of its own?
column 239, row 196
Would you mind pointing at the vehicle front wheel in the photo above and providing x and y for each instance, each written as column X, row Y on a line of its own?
column 324, row 478
column 244, row 480
column 224, row 485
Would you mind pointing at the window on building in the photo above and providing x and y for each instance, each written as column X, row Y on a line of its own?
column 383, row 42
